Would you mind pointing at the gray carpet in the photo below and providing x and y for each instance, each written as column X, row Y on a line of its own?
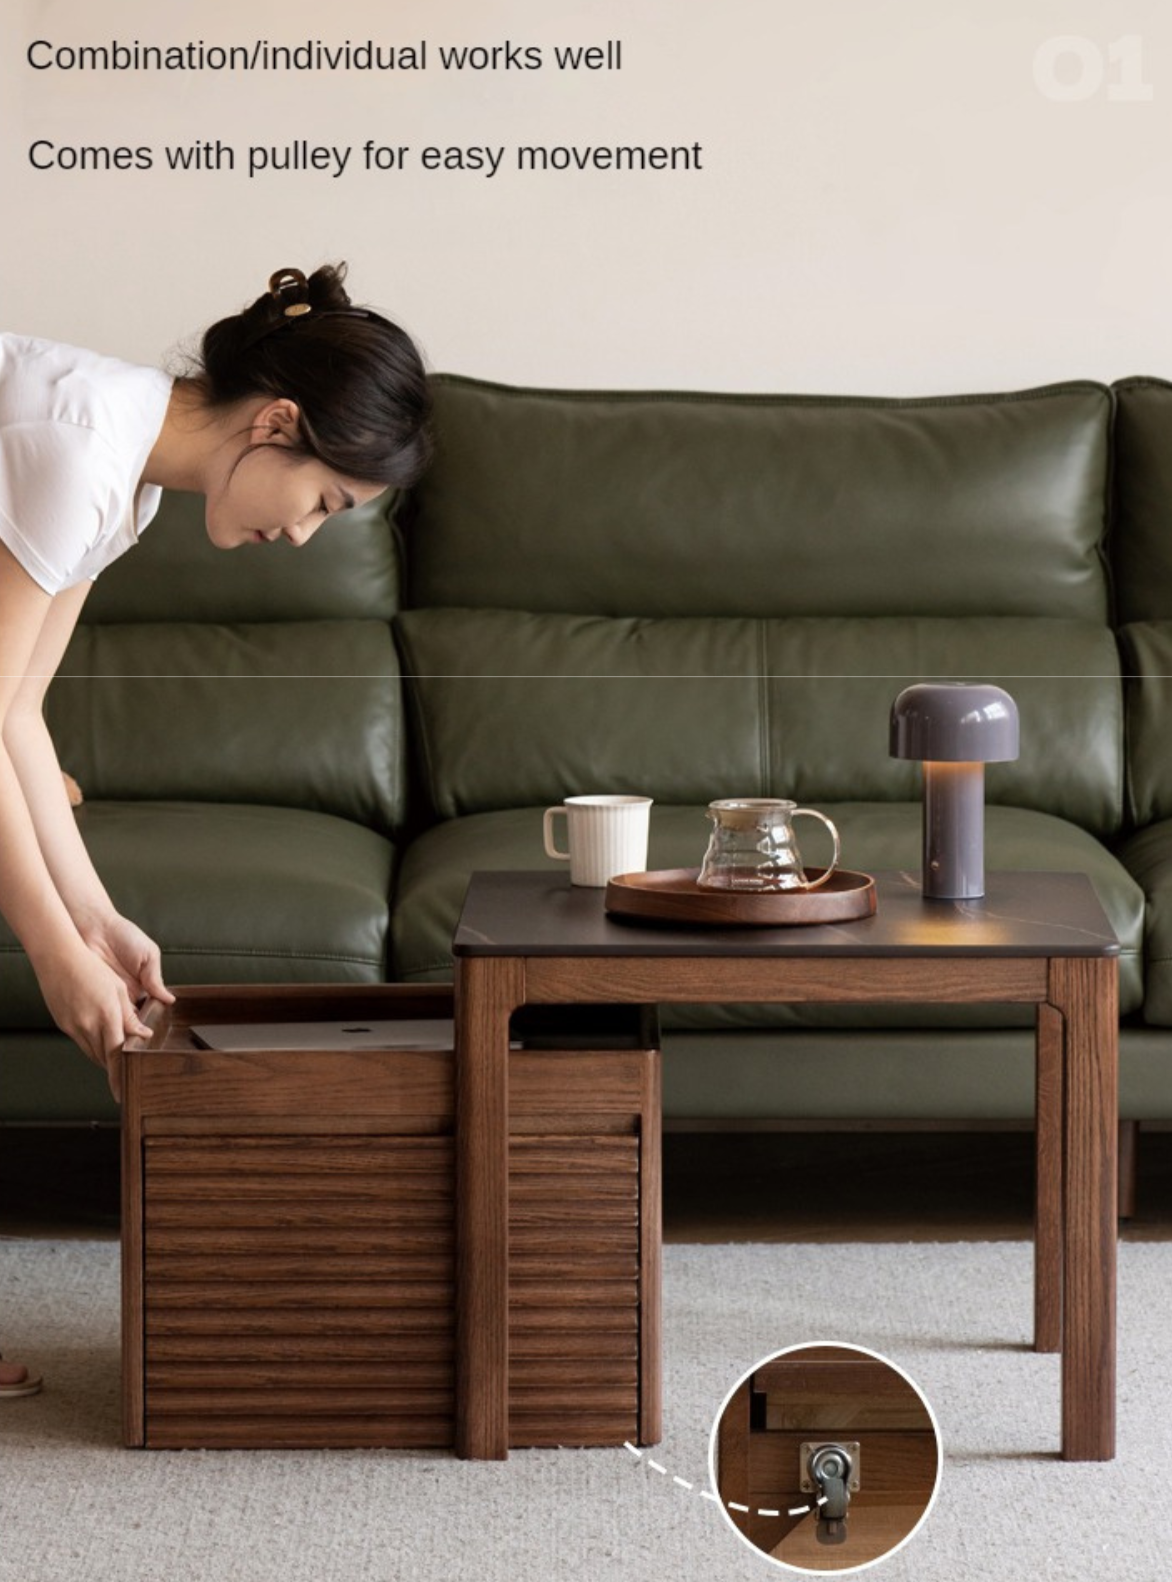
column 955, row 1316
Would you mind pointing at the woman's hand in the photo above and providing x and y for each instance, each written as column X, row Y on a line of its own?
column 90, row 1003
column 136, row 959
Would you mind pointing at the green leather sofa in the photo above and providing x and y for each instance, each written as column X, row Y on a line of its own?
column 293, row 760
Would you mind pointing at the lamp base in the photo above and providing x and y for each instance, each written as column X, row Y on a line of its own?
column 954, row 831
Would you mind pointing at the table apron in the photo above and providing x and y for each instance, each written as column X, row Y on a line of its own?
column 842, row 980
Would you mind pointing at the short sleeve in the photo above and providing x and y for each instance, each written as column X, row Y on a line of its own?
column 55, row 497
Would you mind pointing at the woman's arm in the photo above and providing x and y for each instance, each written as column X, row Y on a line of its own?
column 30, row 747
column 34, row 758
column 86, row 997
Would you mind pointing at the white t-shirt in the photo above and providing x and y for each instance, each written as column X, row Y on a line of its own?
column 76, row 429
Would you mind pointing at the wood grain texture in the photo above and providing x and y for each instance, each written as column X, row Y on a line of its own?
column 221, row 1266
column 318, row 1433
column 305, row 1241
column 1128, row 1151
column 847, row 980
column 1049, row 1059
column 841, row 1373
column 309, row 1372
column 278, row 1124
column 300, row 1401
column 871, row 1531
column 303, row 1082
column 1085, row 991
column 896, row 1464
column 574, row 1083
column 672, row 895
column 487, row 992
column 318, row 1157
column 831, row 1391
column 237, row 1358
column 133, row 1301
column 590, row 1396
column 650, row 1429
column 846, row 1415
column 297, row 1347
column 296, row 1249
column 732, row 1455
column 341, row 1330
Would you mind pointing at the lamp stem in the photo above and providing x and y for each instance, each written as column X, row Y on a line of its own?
column 954, row 830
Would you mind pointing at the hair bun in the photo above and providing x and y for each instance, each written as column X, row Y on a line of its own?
column 325, row 287
column 323, row 291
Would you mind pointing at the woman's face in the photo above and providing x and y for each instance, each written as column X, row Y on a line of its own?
column 264, row 492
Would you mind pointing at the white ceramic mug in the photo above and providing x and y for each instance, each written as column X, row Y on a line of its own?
column 606, row 835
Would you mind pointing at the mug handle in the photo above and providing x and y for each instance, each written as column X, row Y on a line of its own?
column 547, row 830
column 812, row 812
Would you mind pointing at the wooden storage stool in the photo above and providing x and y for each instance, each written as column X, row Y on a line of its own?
column 290, row 1267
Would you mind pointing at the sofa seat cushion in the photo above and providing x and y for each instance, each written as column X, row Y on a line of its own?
column 233, row 893
column 435, row 869
column 1147, row 855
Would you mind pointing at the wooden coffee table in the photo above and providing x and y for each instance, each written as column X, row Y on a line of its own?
column 1036, row 938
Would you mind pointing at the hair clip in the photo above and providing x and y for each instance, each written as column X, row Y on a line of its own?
column 285, row 280
column 290, row 279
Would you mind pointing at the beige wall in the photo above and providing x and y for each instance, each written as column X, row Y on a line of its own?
column 889, row 202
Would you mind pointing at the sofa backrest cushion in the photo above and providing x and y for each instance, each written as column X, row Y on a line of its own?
column 512, row 708
column 298, row 714
column 264, row 674
column 650, row 504
column 1147, row 660
column 1141, row 539
column 350, row 568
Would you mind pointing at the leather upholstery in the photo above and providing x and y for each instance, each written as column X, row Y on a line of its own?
column 1141, row 540
column 1147, row 658
column 653, row 504
column 233, row 894
column 348, row 570
column 510, row 709
column 1147, row 855
column 299, row 714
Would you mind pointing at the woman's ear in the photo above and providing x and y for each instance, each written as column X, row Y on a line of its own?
column 277, row 423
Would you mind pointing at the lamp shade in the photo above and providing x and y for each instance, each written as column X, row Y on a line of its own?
column 954, row 722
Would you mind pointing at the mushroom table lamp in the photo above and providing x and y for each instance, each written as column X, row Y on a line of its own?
column 955, row 729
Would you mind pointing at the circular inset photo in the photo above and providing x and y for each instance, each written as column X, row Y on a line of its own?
column 825, row 1457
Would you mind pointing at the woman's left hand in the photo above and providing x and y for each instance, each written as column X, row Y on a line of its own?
column 133, row 955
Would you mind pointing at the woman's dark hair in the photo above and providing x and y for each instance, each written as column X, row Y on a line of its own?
column 357, row 378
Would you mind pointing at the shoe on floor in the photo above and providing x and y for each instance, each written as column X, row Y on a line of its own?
column 29, row 1385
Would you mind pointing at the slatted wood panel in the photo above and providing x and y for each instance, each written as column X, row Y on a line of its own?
column 299, row 1291
column 574, row 1283
column 290, row 1236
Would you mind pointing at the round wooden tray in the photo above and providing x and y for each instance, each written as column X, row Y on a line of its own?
column 671, row 895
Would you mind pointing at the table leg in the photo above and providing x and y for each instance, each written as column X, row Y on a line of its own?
column 488, row 990
column 1085, row 991
column 1048, row 1181
column 651, row 1257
